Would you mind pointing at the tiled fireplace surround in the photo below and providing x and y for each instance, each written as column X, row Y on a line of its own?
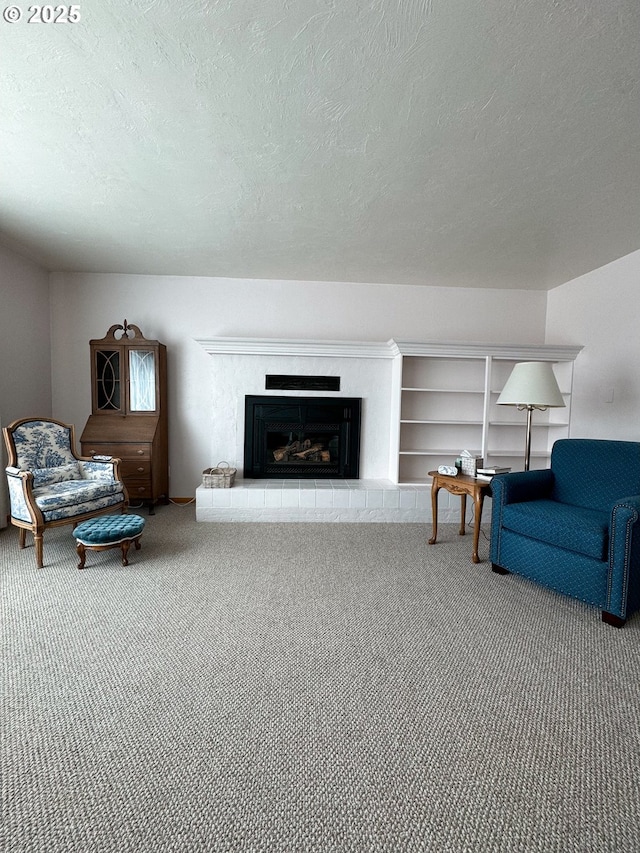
column 239, row 367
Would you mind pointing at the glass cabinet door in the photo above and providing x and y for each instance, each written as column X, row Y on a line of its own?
column 108, row 385
column 142, row 380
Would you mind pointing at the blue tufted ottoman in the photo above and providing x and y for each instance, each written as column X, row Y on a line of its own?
column 108, row 531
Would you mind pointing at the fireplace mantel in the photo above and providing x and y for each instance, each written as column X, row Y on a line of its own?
column 384, row 349
column 293, row 347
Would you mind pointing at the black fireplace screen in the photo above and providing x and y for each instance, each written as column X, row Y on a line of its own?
column 302, row 437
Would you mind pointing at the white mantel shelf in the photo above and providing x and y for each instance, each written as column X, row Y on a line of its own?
column 289, row 347
column 385, row 349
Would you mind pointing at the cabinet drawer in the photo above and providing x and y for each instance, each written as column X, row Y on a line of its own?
column 136, row 469
column 138, row 488
column 130, row 450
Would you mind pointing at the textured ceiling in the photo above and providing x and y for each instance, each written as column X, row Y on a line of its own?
column 446, row 142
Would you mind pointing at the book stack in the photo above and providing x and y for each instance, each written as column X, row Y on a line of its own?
column 490, row 471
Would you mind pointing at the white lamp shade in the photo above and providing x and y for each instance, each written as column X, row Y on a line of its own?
column 532, row 383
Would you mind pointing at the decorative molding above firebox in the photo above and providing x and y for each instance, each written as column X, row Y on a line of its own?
column 384, row 349
column 282, row 346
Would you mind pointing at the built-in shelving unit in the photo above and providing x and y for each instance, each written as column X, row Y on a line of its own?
column 446, row 398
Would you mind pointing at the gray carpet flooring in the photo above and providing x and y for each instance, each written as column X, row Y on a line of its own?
column 308, row 687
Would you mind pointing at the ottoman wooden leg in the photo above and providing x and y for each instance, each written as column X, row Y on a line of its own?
column 125, row 548
column 82, row 553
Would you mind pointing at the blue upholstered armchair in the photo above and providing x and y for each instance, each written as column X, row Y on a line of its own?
column 574, row 527
column 49, row 485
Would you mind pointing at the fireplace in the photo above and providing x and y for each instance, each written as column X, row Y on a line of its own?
column 302, row 437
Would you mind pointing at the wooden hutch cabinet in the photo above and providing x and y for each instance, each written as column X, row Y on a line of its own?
column 129, row 411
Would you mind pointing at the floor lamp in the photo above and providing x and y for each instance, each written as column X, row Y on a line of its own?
column 532, row 385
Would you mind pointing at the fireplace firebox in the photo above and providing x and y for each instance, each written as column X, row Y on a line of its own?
column 302, row 437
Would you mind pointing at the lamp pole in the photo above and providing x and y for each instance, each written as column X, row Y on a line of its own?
column 527, row 447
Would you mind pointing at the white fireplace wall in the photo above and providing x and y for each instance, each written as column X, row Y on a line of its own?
column 178, row 310
column 233, row 376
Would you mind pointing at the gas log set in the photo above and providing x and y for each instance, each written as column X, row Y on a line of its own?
column 302, row 451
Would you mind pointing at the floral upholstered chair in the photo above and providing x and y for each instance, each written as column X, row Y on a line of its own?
column 49, row 485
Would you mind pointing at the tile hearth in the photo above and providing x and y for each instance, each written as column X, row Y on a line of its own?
column 315, row 500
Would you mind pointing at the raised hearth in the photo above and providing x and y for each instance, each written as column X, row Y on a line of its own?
column 318, row 501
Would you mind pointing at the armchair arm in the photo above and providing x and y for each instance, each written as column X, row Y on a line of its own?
column 515, row 488
column 522, row 486
column 23, row 504
column 100, row 468
column 623, row 583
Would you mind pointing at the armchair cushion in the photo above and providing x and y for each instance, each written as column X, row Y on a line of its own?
column 72, row 493
column 42, row 444
column 574, row 528
column 56, row 474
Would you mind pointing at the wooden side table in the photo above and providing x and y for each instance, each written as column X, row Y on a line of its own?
column 462, row 485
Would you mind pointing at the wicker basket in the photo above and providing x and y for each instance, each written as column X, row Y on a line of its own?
column 220, row 477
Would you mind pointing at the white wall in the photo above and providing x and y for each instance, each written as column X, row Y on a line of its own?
column 601, row 310
column 176, row 310
column 25, row 341
column 25, row 346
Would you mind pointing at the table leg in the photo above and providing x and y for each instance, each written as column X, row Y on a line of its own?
column 478, row 500
column 463, row 513
column 435, row 488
